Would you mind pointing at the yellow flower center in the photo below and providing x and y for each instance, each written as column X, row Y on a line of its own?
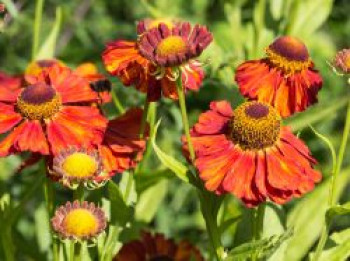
column 171, row 45
column 39, row 101
column 79, row 165
column 255, row 126
column 289, row 54
column 347, row 61
column 80, row 222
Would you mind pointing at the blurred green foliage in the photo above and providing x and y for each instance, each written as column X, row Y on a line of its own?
column 162, row 202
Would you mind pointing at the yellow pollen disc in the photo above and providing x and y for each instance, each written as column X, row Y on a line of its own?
column 39, row 111
column 79, row 165
column 287, row 65
column 156, row 22
column 171, row 45
column 80, row 222
column 347, row 61
column 255, row 126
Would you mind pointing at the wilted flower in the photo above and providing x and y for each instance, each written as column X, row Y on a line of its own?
column 50, row 114
column 124, row 60
column 342, row 61
column 79, row 221
column 122, row 148
column 285, row 79
column 157, row 248
column 248, row 153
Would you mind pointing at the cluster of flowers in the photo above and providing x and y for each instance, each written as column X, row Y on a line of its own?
column 55, row 112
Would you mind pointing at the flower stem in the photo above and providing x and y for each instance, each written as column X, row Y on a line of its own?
column 258, row 226
column 182, row 103
column 332, row 198
column 144, row 118
column 116, row 102
column 37, row 24
column 78, row 194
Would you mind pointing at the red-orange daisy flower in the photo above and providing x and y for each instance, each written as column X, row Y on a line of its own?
column 122, row 148
column 168, row 47
column 124, row 60
column 342, row 60
column 285, row 79
column 157, row 248
column 98, row 82
column 75, row 166
column 79, row 221
column 50, row 114
column 248, row 153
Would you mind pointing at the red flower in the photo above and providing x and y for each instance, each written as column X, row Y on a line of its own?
column 247, row 153
column 285, row 79
column 157, row 248
column 122, row 148
column 35, row 68
column 124, row 60
column 50, row 114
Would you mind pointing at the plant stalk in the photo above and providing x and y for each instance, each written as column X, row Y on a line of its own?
column 182, row 103
column 37, row 25
column 258, row 226
column 332, row 199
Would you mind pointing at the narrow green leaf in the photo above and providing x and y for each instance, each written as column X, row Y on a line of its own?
column 42, row 228
column 174, row 165
column 263, row 248
column 121, row 213
column 47, row 50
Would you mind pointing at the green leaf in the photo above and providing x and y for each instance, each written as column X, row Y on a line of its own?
column 308, row 16
column 174, row 165
column 47, row 50
column 308, row 215
column 264, row 248
column 315, row 114
column 276, row 8
column 42, row 228
column 121, row 213
column 150, row 200
column 338, row 210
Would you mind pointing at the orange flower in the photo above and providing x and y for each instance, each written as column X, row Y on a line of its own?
column 248, row 153
column 49, row 114
column 35, row 68
column 98, row 82
column 124, row 60
column 122, row 147
column 157, row 247
column 285, row 79
column 8, row 82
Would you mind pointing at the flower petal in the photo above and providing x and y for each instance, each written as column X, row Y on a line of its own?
column 8, row 117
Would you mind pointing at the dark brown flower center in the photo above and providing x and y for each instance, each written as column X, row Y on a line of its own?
column 291, row 48
column 38, row 101
column 46, row 63
column 255, row 126
column 162, row 258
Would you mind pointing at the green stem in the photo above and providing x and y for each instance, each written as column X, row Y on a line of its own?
column 144, row 118
column 210, row 217
column 182, row 103
column 71, row 250
column 116, row 102
column 49, row 192
column 77, row 251
column 332, row 195
column 78, row 194
column 128, row 187
column 7, row 243
column 37, row 25
column 258, row 226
